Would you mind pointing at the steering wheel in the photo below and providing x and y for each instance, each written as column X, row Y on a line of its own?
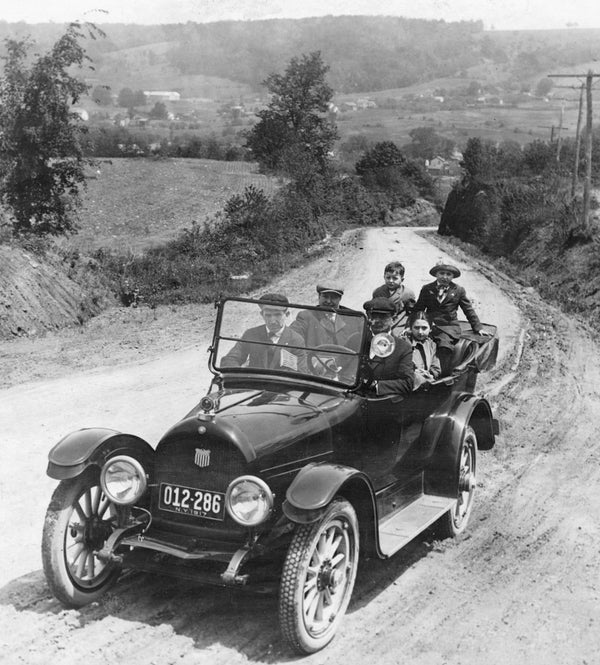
column 325, row 361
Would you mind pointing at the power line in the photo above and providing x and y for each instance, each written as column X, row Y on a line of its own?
column 587, row 184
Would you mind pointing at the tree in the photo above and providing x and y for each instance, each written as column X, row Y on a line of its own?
column 125, row 98
column 384, row 167
column 159, row 111
column 41, row 161
column 101, row 95
column 480, row 160
column 139, row 98
column 539, row 156
column 427, row 144
column 543, row 87
column 294, row 129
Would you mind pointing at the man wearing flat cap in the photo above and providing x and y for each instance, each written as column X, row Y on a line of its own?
column 263, row 346
column 441, row 300
column 326, row 326
column 394, row 373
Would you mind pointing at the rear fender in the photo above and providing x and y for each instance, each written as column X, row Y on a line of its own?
column 316, row 485
column 80, row 449
column 444, row 434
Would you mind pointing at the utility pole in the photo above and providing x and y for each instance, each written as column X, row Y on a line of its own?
column 575, row 177
column 577, row 144
column 587, row 185
column 558, row 137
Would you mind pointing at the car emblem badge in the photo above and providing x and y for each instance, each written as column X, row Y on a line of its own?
column 202, row 457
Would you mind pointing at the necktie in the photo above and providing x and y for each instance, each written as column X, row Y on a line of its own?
column 441, row 293
column 421, row 350
column 270, row 349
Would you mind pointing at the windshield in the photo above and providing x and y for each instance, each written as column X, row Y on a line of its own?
column 290, row 340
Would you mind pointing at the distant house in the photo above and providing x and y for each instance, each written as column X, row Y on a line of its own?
column 437, row 165
column 162, row 96
column 348, row 106
column 438, row 98
column 82, row 113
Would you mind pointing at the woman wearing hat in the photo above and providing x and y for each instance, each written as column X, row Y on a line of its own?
column 441, row 300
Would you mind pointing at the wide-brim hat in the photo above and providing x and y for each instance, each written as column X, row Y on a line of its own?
column 381, row 305
column 445, row 266
column 330, row 288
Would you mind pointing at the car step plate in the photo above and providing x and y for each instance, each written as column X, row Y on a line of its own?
column 400, row 528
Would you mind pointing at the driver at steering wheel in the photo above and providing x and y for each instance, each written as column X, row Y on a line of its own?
column 390, row 358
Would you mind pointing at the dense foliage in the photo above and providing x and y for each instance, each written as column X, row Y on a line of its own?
column 41, row 161
column 385, row 168
column 507, row 195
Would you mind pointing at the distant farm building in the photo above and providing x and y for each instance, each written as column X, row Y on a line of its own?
column 162, row 96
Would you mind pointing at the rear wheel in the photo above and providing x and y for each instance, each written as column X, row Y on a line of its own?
column 79, row 520
column 455, row 521
column 318, row 578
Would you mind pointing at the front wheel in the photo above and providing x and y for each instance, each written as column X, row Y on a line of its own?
column 79, row 520
column 455, row 521
column 318, row 578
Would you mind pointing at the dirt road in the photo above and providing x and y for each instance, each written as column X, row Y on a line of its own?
column 521, row 588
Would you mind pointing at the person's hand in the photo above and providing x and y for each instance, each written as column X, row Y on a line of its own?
column 424, row 374
column 484, row 333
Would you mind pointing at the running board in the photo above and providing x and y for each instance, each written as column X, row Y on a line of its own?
column 400, row 528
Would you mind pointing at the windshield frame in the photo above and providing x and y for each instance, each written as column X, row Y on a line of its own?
column 278, row 373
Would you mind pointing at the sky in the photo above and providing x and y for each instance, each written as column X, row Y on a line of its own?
column 496, row 14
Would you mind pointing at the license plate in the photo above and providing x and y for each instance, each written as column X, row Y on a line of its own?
column 192, row 501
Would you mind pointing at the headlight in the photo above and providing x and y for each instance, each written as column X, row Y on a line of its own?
column 249, row 500
column 123, row 479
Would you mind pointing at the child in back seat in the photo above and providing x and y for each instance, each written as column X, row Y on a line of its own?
column 441, row 300
column 425, row 360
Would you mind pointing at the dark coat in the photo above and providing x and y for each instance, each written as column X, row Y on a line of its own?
column 257, row 355
column 316, row 329
column 394, row 374
column 444, row 314
column 404, row 299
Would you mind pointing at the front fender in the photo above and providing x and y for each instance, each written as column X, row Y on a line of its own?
column 78, row 450
column 313, row 489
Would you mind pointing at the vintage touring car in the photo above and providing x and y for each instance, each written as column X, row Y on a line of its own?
column 284, row 472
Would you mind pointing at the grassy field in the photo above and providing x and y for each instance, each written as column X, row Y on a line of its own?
column 132, row 204
column 498, row 123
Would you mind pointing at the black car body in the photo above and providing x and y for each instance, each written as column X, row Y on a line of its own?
column 285, row 473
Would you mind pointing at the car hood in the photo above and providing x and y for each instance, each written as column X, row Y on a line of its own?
column 264, row 423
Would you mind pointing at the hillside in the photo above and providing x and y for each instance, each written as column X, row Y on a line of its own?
column 227, row 59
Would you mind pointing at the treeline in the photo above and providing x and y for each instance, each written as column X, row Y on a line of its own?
column 365, row 53
column 111, row 141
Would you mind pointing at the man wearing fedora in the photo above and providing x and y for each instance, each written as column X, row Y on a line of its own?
column 394, row 373
column 441, row 300
column 318, row 327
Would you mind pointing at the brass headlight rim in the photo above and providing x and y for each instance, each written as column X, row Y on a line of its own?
column 136, row 464
column 262, row 485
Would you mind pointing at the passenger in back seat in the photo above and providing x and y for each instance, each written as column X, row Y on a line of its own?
column 441, row 300
column 425, row 359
